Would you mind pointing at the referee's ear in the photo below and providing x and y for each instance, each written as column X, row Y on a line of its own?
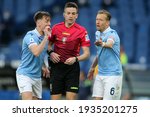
column 77, row 16
column 64, row 13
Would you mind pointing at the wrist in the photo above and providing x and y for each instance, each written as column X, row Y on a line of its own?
column 49, row 52
column 76, row 59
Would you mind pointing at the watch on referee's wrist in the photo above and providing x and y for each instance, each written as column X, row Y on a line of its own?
column 49, row 52
column 76, row 59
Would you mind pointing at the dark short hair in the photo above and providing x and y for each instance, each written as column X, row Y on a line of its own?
column 71, row 4
column 105, row 12
column 40, row 14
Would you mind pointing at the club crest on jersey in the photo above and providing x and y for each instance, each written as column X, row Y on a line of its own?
column 64, row 40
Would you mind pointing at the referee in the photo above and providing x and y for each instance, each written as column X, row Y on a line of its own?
column 67, row 38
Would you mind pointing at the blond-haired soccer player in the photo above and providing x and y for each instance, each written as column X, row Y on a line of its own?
column 108, row 82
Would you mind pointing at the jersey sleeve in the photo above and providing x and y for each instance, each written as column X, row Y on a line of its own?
column 30, row 40
column 112, row 36
column 85, row 41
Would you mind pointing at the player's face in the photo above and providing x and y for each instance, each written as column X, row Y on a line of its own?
column 70, row 15
column 45, row 21
column 101, row 22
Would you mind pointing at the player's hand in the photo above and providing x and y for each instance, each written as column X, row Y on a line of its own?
column 90, row 74
column 70, row 60
column 46, row 72
column 47, row 31
column 54, row 57
column 98, row 42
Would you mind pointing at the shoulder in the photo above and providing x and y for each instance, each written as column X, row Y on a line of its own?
column 113, row 32
column 30, row 36
column 78, row 26
column 58, row 25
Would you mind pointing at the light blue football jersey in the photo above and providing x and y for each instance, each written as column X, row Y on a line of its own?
column 31, row 65
column 109, row 58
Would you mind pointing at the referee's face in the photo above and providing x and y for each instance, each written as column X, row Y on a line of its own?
column 101, row 22
column 70, row 15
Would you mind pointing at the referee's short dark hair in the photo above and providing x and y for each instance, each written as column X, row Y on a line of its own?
column 71, row 4
column 40, row 14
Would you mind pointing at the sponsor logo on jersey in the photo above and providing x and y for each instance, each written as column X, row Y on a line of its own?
column 65, row 33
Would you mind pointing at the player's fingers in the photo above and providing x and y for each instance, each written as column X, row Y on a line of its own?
column 48, row 75
column 44, row 74
column 55, row 57
column 90, row 75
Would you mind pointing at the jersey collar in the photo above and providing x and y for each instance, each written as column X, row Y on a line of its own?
column 107, row 30
column 36, row 32
column 70, row 26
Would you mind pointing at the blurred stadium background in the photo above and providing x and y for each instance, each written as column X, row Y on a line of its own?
column 131, row 18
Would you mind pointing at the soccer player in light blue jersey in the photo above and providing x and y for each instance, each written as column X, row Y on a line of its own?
column 108, row 82
column 34, row 49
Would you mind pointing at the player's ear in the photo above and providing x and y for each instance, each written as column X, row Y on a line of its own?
column 108, row 23
column 37, row 22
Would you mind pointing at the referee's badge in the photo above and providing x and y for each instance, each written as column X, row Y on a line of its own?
column 64, row 40
column 87, row 37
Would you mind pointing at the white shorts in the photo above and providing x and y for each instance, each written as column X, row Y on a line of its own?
column 108, row 87
column 26, row 83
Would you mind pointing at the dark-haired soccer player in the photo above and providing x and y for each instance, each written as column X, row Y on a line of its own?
column 67, row 37
column 34, row 48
